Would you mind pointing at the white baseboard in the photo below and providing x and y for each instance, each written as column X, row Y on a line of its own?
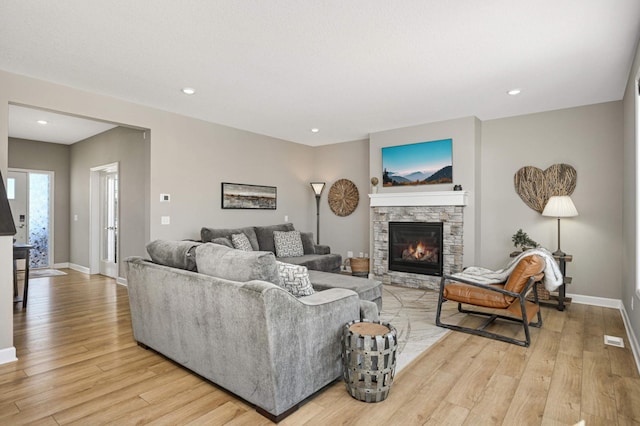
column 616, row 304
column 595, row 301
column 633, row 342
column 8, row 355
column 79, row 268
column 122, row 281
column 64, row 265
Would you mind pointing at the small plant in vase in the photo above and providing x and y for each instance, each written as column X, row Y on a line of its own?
column 521, row 239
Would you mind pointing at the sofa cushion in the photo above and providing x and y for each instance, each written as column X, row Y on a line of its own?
column 208, row 234
column 318, row 262
column 241, row 242
column 176, row 254
column 366, row 288
column 295, row 279
column 288, row 244
column 224, row 241
column 236, row 265
column 308, row 245
column 264, row 234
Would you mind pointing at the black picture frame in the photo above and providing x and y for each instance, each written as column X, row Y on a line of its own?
column 7, row 225
column 245, row 196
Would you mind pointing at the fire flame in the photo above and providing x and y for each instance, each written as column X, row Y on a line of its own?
column 418, row 251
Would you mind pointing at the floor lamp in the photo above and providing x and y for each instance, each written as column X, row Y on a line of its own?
column 317, row 187
column 559, row 206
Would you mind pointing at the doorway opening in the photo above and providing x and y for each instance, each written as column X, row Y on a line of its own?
column 105, row 214
column 30, row 194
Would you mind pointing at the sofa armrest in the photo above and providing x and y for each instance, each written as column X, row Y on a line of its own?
column 321, row 249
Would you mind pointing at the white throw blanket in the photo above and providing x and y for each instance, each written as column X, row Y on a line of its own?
column 552, row 275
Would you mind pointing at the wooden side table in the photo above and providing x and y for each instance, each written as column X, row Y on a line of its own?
column 562, row 261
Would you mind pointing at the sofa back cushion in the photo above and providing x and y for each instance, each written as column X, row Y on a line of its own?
column 308, row 244
column 237, row 265
column 264, row 234
column 176, row 254
column 207, row 235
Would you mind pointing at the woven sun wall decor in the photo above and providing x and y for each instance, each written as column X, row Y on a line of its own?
column 535, row 186
column 343, row 197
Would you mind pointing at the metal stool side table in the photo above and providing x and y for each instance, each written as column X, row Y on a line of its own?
column 369, row 359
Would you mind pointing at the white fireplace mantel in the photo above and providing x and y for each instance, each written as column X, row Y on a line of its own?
column 412, row 199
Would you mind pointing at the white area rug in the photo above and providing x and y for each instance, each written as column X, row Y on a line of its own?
column 40, row 273
column 413, row 313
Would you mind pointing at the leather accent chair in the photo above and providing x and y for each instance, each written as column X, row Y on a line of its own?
column 505, row 301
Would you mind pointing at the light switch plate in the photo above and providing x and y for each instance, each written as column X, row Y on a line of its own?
column 165, row 220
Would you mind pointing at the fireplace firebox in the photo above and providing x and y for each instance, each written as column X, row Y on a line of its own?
column 416, row 247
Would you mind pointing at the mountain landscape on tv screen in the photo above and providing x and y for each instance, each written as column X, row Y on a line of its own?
column 444, row 175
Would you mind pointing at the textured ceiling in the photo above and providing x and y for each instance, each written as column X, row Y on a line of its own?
column 349, row 68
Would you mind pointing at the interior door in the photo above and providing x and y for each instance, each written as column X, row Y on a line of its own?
column 17, row 184
column 109, row 223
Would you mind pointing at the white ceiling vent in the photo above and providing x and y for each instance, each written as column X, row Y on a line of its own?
column 614, row 341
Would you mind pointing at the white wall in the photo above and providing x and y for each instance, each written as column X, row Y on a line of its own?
column 589, row 139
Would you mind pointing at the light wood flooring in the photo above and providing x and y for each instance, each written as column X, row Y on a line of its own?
column 78, row 364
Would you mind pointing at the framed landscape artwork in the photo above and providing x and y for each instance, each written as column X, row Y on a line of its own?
column 423, row 163
column 242, row 196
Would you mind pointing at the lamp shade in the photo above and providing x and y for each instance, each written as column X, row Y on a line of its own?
column 317, row 187
column 560, row 206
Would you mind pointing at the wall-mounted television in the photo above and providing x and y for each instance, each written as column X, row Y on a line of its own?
column 423, row 163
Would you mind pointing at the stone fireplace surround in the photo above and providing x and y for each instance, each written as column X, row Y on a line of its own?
column 437, row 206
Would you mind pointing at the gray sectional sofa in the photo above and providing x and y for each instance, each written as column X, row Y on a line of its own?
column 233, row 324
column 316, row 257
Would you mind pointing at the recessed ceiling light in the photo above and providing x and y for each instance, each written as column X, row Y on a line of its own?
column 315, row 130
column 188, row 90
column 43, row 122
column 514, row 92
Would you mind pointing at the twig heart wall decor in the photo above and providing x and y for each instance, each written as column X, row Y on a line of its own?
column 535, row 186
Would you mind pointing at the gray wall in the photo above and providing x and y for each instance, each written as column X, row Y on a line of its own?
column 466, row 152
column 34, row 155
column 588, row 138
column 129, row 148
column 349, row 160
column 630, row 283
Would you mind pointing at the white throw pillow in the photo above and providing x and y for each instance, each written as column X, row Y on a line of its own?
column 241, row 242
column 295, row 279
column 288, row 243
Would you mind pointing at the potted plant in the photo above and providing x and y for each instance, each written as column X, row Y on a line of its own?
column 522, row 240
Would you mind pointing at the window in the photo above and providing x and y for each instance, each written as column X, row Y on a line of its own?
column 11, row 188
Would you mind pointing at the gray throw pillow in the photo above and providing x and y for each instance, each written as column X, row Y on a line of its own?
column 209, row 234
column 288, row 244
column 176, row 254
column 236, row 265
column 308, row 244
column 223, row 241
column 295, row 279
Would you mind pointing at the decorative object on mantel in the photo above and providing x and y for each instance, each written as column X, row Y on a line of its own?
column 317, row 187
column 374, row 183
column 560, row 206
column 343, row 197
column 457, row 187
column 522, row 240
column 535, row 186
column 7, row 226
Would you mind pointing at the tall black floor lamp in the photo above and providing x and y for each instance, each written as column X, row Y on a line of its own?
column 317, row 187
